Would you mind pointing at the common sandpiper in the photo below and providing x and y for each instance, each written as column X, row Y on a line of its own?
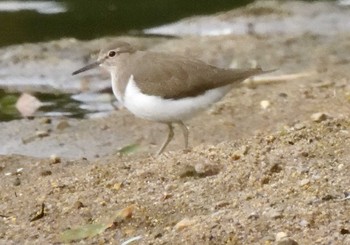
column 164, row 87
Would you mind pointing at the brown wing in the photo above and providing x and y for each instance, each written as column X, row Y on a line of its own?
column 176, row 77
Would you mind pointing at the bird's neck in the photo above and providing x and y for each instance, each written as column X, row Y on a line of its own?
column 117, row 91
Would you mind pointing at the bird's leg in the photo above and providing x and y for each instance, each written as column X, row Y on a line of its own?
column 185, row 132
column 168, row 139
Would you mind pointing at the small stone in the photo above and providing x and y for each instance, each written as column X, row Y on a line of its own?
column 319, row 117
column 303, row 169
column 328, row 197
column 244, row 149
column 166, row 196
column 236, row 156
column 221, row 204
column 17, row 182
column 78, row 205
column 42, row 133
column 273, row 214
column 283, row 239
column 304, row 182
column 304, row 154
column 344, row 231
column 117, row 186
column 265, row 180
column 253, row 216
column 205, row 170
column 304, row 223
column 124, row 213
column 46, row 173
column 63, row 124
column 283, row 95
column 276, row 168
column 186, row 222
column 55, row 159
column 270, row 139
column 280, row 236
column 299, row 126
column 45, row 120
column 264, row 104
column 27, row 104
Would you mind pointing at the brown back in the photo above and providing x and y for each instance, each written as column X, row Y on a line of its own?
column 175, row 77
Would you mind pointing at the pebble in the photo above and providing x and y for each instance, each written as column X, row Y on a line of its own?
column 273, row 214
column 280, row 236
column 46, row 173
column 184, row 223
column 283, row 239
column 253, row 215
column 319, row 117
column 304, row 154
column 55, row 159
column 45, row 120
column 42, row 133
column 270, row 139
column 125, row 213
column 304, row 223
column 276, row 168
column 264, row 104
column 221, row 204
column 304, row 182
column 299, row 126
column 27, row 104
column 187, row 171
column 78, row 205
column 204, row 169
column 236, row 156
column 344, row 231
column 63, row 124
column 17, row 182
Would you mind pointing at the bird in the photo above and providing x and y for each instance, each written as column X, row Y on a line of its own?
column 165, row 87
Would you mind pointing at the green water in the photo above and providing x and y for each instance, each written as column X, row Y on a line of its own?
column 88, row 19
column 56, row 104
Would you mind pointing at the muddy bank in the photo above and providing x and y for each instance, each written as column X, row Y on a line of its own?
column 293, row 183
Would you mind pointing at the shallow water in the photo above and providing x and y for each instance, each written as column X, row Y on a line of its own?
column 34, row 21
column 58, row 105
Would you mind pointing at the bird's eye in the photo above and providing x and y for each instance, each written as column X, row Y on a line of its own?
column 112, row 53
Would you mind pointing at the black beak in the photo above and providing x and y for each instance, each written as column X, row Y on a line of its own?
column 88, row 67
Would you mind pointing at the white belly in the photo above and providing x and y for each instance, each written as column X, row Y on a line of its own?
column 155, row 108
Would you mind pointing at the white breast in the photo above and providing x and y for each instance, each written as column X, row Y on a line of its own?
column 156, row 108
column 116, row 92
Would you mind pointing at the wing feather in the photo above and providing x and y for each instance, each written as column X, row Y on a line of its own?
column 177, row 77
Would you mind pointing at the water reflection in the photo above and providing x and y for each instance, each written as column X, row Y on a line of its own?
column 42, row 7
column 58, row 105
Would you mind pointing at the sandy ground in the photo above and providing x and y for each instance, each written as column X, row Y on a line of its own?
column 271, row 174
